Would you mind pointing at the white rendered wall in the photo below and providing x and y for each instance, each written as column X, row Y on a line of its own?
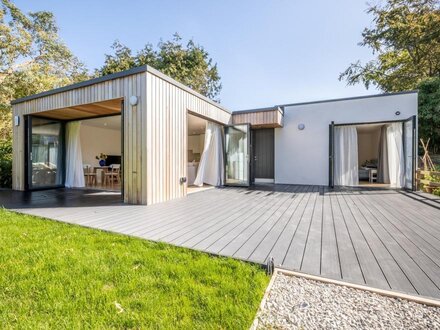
column 95, row 140
column 301, row 157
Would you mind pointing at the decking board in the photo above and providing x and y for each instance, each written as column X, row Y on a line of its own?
column 382, row 238
column 395, row 276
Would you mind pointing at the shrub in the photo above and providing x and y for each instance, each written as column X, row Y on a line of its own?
column 6, row 164
column 429, row 112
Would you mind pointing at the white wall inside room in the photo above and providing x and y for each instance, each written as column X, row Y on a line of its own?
column 301, row 156
column 196, row 137
column 195, row 145
column 100, row 135
column 368, row 143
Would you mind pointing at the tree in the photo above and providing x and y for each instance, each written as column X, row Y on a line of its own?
column 406, row 38
column 32, row 58
column 429, row 112
column 189, row 64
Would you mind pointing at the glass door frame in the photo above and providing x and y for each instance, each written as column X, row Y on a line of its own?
column 413, row 121
column 413, row 118
column 28, row 149
column 247, row 182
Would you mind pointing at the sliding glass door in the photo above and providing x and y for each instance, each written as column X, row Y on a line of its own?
column 237, row 145
column 45, row 153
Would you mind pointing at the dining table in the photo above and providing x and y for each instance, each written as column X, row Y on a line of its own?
column 100, row 172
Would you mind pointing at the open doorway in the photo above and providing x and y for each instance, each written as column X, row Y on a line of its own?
column 61, row 147
column 205, row 167
column 101, row 153
column 373, row 154
column 373, row 164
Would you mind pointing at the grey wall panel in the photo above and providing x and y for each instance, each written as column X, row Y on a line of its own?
column 263, row 147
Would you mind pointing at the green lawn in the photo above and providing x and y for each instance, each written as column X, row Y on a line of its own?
column 55, row 275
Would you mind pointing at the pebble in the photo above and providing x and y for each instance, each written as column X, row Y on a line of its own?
column 299, row 303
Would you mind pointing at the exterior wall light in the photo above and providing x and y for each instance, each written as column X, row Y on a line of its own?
column 133, row 100
column 397, row 113
column 17, row 120
column 301, row 127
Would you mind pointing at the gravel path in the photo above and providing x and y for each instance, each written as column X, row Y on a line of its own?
column 298, row 303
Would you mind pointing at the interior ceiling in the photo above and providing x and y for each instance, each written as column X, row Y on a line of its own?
column 367, row 128
column 196, row 125
column 112, row 122
column 91, row 110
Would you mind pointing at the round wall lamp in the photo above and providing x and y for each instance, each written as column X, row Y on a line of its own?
column 397, row 113
column 133, row 100
column 301, row 127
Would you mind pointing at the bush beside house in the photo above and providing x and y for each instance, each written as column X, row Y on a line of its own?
column 6, row 164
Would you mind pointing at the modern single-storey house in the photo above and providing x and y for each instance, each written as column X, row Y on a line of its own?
column 153, row 139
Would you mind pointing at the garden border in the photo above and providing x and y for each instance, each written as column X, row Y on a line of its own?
column 382, row 292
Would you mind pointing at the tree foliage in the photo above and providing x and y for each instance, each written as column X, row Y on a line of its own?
column 405, row 36
column 32, row 58
column 5, row 163
column 188, row 63
column 429, row 112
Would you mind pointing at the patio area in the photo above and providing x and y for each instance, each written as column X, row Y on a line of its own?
column 377, row 237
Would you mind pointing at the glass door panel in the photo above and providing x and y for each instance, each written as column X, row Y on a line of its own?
column 45, row 153
column 409, row 145
column 237, row 145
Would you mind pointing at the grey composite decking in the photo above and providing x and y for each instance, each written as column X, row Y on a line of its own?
column 381, row 238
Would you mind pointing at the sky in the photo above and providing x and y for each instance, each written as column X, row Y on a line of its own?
column 267, row 52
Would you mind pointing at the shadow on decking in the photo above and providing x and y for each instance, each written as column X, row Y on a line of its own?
column 58, row 198
column 77, row 198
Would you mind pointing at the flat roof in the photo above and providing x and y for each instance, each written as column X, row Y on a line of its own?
column 281, row 106
column 121, row 74
column 350, row 98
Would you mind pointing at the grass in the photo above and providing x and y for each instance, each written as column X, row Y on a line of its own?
column 55, row 275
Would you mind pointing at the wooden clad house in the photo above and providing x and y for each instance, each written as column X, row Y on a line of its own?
column 153, row 109
column 157, row 133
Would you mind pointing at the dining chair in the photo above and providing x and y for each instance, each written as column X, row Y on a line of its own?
column 89, row 174
column 112, row 174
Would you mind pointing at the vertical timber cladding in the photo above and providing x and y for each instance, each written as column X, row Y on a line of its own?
column 270, row 117
column 155, row 129
column 168, row 104
column 114, row 87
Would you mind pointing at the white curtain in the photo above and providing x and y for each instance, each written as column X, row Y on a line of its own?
column 396, row 162
column 74, row 165
column 211, row 166
column 383, row 175
column 346, row 168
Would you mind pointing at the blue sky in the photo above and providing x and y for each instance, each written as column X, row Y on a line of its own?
column 267, row 52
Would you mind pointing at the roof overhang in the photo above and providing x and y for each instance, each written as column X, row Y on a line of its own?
column 85, row 111
column 271, row 117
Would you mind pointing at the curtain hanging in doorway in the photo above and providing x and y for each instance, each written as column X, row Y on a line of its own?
column 211, row 166
column 383, row 175
column 396, row 162
column 346, row 156
column 74, row 165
